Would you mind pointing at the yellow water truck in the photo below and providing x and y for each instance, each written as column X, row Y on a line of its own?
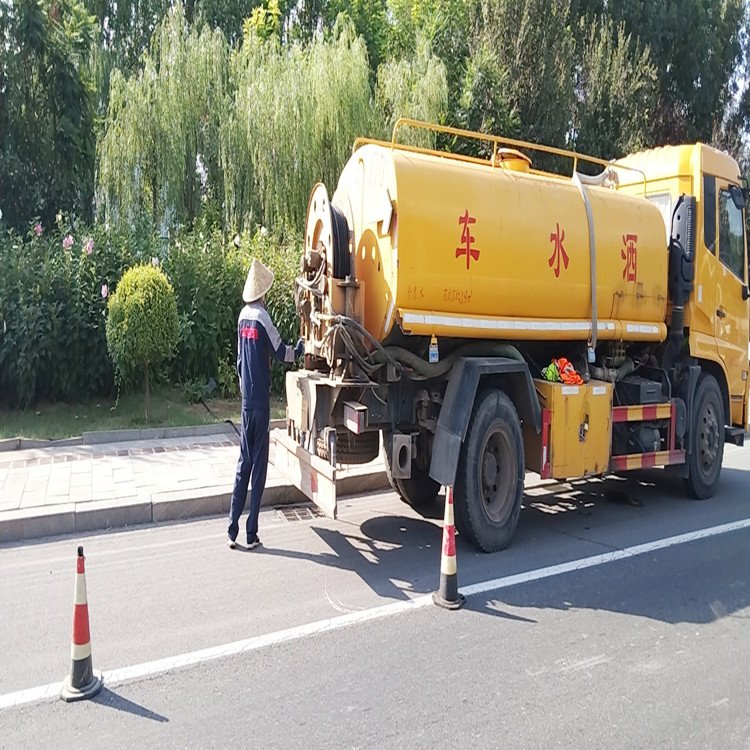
column 436, row 289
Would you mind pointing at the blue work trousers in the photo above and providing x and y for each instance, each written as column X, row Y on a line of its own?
column 251, row 468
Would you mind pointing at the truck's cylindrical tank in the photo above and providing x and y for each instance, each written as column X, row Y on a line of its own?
column 450, row 247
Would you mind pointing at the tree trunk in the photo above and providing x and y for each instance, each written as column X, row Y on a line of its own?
column 147, row 393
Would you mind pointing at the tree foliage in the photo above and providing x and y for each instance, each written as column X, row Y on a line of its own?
column 160, row 147
column 484, row 105
column 414, row 87
column 229, row 110
column 695, row 46
column 615, row 91
column 534, row 43
column 46, row 110
column 281, row 145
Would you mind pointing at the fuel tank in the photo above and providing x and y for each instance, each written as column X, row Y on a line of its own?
column 450, row 247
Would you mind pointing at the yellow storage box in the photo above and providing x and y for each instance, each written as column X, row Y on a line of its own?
column 576, row 430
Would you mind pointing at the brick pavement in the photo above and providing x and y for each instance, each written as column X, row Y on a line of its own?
column 79, row 474
column 57, row 490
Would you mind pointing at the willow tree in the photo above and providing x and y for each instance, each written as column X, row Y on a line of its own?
column 413, row 87
column 159, row 154
column 296, row 112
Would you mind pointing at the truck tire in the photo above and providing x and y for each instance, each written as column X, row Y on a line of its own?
column 351, row 448
column 419, row 491
column 489, row 481
column 706, row 439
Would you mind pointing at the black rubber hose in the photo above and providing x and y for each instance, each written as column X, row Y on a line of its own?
column 437, row 369
column 614, row 375
column 341, row 258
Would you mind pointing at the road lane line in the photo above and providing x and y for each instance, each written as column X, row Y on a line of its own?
column 160, row 666
column 602, row 559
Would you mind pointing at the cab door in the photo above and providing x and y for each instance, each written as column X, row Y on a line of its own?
column 732, row 311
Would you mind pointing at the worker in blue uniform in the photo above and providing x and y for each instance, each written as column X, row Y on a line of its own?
column 257, row 341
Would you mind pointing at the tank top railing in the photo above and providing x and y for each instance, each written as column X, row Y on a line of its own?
column 498, row 142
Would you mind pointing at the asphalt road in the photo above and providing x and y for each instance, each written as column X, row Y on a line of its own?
column 649, row 651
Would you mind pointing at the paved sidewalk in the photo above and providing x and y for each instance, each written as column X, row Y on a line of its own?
column 58, row 490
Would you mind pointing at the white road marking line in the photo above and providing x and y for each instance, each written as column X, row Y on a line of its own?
column 602, row 559
column 160, row 666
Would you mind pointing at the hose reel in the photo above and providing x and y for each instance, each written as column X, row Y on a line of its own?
column 327, row 235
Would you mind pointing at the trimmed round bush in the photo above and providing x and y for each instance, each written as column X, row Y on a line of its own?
column 142, row 323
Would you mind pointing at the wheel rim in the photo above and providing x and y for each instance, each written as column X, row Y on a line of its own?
column 498, row 475
column 709, row 441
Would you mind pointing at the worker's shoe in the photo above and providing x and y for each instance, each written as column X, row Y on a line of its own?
column 231, row 543
column 253, row 543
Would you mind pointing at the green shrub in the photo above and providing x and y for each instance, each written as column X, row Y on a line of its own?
column 52, row 313
column 53, row 343
column 208, row 274
column 142, row 323
column 204, row 273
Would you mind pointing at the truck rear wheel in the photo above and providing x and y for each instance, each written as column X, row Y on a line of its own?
column 420, row 490
column 489, row 481
column 351, row 448
column 706, row 439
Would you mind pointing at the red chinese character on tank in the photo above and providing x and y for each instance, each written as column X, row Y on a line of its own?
column 629, row 254
column 558, row 253
column 467, row 239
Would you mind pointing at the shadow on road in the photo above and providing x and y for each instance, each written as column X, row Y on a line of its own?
column 398, row 556
column 387, row 552
column 112, row 700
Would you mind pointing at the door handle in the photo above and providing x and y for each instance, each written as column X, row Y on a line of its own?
column 721, row 312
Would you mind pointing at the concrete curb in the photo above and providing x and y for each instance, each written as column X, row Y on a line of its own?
column 123, row 436
column 163, row 507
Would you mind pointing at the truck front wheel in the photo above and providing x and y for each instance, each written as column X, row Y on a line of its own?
column 489, row 481
column 706, row 439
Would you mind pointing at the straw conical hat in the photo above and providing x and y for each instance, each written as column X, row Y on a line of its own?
column 259, row 281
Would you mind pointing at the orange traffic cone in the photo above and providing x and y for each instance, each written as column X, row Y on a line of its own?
column 447, row 595
column 82, row 682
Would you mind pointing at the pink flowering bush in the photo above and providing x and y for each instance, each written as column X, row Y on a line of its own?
column 52, row 313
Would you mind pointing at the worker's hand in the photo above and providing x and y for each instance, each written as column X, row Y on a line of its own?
column 299, row 349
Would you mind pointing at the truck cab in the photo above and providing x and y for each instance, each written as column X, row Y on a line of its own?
column 717, row 313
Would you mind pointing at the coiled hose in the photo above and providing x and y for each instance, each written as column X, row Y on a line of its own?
column 429, row 370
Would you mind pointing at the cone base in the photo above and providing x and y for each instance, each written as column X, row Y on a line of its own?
column 70, row 693
column 456, row 603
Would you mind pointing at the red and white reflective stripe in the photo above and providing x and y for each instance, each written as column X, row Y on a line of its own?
column 81, row 642
column 80, row 590
column 448, row 558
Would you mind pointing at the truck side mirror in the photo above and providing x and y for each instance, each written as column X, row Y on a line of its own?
column 738, row 196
